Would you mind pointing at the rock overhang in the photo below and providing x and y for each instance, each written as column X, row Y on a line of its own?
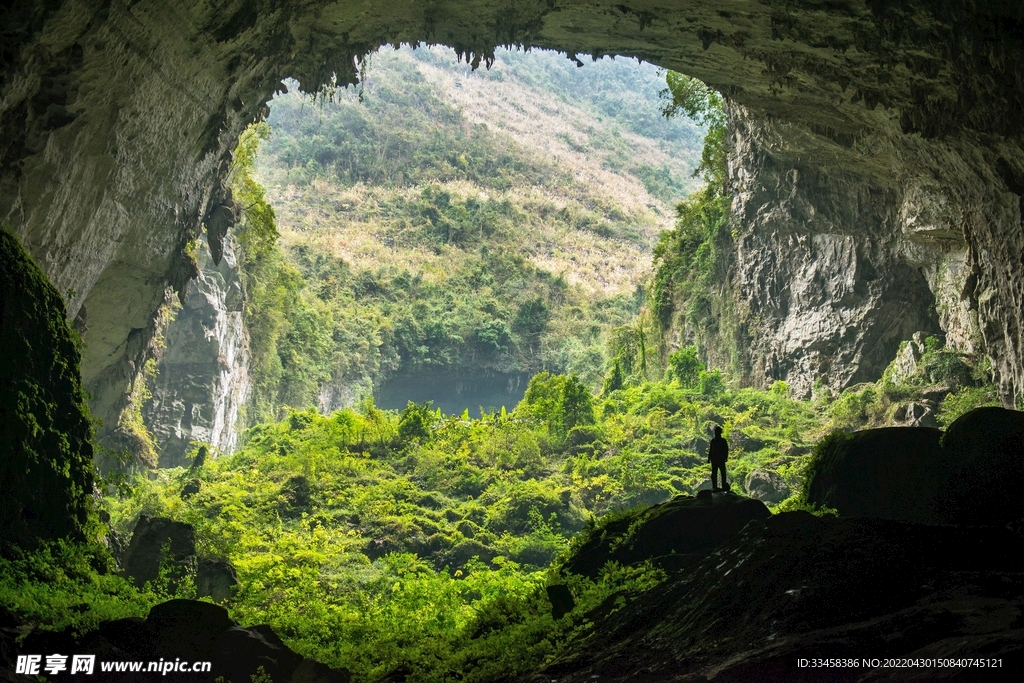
column 119, row 121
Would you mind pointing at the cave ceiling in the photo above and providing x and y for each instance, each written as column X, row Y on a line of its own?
column 118, row 120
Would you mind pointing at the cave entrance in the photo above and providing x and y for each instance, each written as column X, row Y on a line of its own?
column 445, row 233
column 119, row 130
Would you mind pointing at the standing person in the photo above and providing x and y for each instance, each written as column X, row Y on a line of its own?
column 718, row 453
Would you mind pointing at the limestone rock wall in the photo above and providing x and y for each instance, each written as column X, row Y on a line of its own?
column 117, row 122
column 833, row 267
column 202, row 380
column 824, row 290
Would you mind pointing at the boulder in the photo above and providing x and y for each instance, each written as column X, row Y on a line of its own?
column 741, row 441
column 242, row 652
column 971, row 475
column 683, row 526
column 767, row 487
column 215, row 579
column 985, row 450
column 312, row 671
column 561, row 600
column 141, row 561
column 189, row 630
column 890, row 473
column 914, row 415
column 180, row 627
column 190, row 489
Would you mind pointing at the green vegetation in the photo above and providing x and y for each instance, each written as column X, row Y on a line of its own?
column 446, row 245
column 690, row 287
column 382, row 539
column 46, row 472
column 417, row 542
column 955, row 382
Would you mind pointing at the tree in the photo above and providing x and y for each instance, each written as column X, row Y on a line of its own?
column 694, row 99
column 685, row 366
column 615, row 380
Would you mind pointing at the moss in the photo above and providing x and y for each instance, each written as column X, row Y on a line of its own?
column 46, row 473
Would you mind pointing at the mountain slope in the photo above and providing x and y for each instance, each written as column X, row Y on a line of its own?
column 512, row 212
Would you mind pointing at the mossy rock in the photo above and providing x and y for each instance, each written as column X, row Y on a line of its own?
column 889, row 473
column 46, row 473
column 683, row 526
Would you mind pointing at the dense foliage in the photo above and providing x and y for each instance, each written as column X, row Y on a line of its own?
column 420, row 543
column 441, row 245
column 403, row 534
column 690, row 289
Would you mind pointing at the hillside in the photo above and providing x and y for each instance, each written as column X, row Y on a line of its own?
column 465, row 229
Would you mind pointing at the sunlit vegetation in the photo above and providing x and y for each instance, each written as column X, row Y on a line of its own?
column 402, row 534
column 458, row 240
column 958, row 381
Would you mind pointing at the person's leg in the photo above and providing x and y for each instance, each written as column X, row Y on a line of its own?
column 714, row 475
column 725, row 482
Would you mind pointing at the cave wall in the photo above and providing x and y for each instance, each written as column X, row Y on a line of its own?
column 819, row 266
column 202, row 380
column 117, row 121
column 46, row 473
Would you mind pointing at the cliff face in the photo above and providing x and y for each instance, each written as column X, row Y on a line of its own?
column 202, row 379
column 117, row 123
column 831, row 267
column 818, row 267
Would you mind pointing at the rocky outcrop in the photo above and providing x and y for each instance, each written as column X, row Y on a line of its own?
column 187, row 631
column 682, row 529
column 162, row 546
column 817, row 271
column 117, row 124
column 970, row 475
column 767, row 487
column 801, row 587
column 202, row 379
column 159, row 541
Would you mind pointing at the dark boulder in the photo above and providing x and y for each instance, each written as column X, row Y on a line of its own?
column 767, row 487
column 890, row 473
column 215, row 579
column 985, row 450
column 683, row 526
column 311, row 671
column 152, row 535
column 242, row 652
column 972, row 475
column 561, row 600
column 187, row 626
column 190, row 489
column 191, row 631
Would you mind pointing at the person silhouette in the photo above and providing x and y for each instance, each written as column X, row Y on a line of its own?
column 718, row 453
